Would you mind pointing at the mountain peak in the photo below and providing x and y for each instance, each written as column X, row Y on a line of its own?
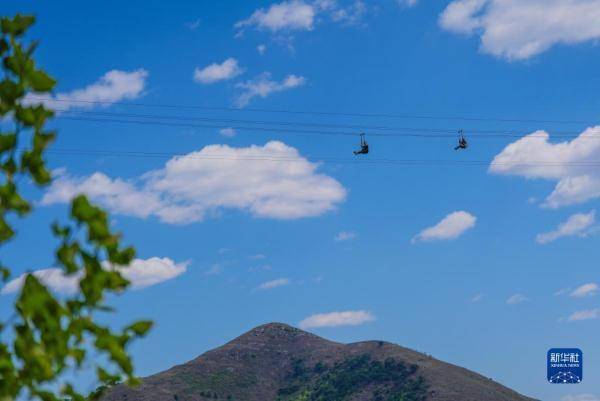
column 274, row 328
column 276, row 361
column 277, row 336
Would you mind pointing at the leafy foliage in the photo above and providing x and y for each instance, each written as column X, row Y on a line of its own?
column 49, row 335
column 394, row 381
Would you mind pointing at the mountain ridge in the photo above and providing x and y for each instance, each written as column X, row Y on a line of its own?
column 276, row 361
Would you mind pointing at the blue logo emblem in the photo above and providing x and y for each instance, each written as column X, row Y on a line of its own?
column 565, row 365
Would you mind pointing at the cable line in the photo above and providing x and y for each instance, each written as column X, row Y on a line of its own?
column 452, row 131
column 321, row 113
column 308, row 131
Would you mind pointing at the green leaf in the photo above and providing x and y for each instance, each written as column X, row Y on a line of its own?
column 41, row 140
column 7, row 141
column 140, row 328
column 120, row 257
column 10, row 91
column 6, row 231
column 9, row 167
column 66, row 256
column 11, row 200
column 40, row 81
column 3, row 46
column 82, row 210
column 106, row 377
column 60, row 231
column 17, row 25
column 4, row 273
column 35, row 116
column 32, row 161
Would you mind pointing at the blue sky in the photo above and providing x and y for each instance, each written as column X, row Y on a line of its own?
column 485, row 258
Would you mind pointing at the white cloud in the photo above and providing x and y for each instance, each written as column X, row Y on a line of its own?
column 581, row 397
column 263, row 86
column 477, row 298
column 260, row 268
column 335, row 319
column 459, row 16
column 577, row 225
column 54, row 278
column 192, row 26
column 291, row 15
column 114, row 86
column 408, row 3
column 516, row 299
column 227, row 132
column 351, row 15
column 517, row 29
column 269, row 285
column 120, row 196
column 270, row 181
column 214, row 270
column 451, row 227
column 299, row 15
column 145, row 273
column 345, row 236
column 215, row 72
column 141, row 273
column 585, row 290
column 573, row 164
column 589, row 314
column 261, row 49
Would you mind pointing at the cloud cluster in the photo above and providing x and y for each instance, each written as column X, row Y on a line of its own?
column 141, row 273
column 350, row 15
column 335, row 319
column 408, row 3
column 288, row 15
column 572, row 163
column 589, row 314
column 228, row 132
column 345, row 236
column 263, row 86
column 299, row 15
column 516, row 299
column 258, row 256
column 270, row 181
column 585, row 290
column 517, row 29
column 581, row 397
column 451, row 227
column 193, row 25
column 269, row 285
column 112, row 87
column 579, row 224
column 215, row 72
column 476, row 298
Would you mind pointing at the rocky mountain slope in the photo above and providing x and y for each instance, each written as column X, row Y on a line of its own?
column 277, row 362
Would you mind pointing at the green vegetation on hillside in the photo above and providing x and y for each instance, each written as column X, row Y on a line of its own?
column 213, row 386
column 394, row 381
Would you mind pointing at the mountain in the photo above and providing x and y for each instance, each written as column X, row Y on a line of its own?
column 277, row 362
